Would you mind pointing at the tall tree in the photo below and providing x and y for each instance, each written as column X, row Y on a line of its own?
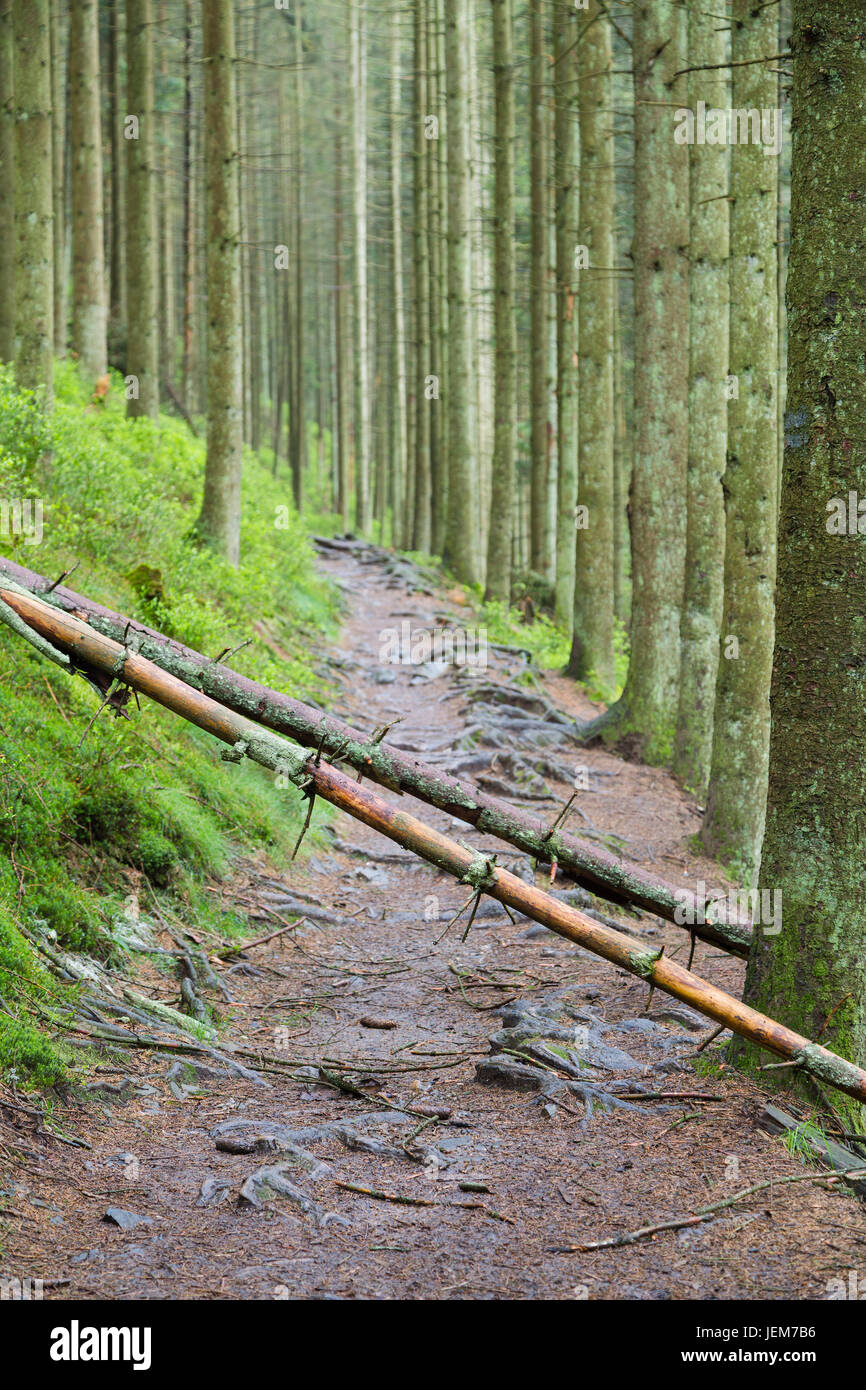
column 400, row 442
column 58, row 176
column 538, row 281
column 220, row 519
column 361, row 361
column 736, row 799
column 708, row 408
column 813, row 972
column 567, row 193
column 34, row 244
column 592, row 639
column 7, row 185
column 299, row 428
column 142, row 353
column 114, row 87
column 505, row 428
column 460, row 550
column 423, row 483
column 344, row 479
column 647, row 710
column 85, row 138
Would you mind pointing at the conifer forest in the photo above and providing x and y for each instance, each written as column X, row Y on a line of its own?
column 432, row 667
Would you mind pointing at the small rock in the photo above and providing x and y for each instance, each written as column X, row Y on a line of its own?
column 126, row 1220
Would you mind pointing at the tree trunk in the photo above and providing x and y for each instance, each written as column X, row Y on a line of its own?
column 592, row 638
column 814, row 970
column 59, row 69
column 85, row 134
column 736, row 799
column 220, row 520
column 708, row 407
column 422, row 491
column 189, row 374
column 399, row 449
column 142, row 351
column 7, row 185
column 502, row 494
column 344, row 479
column 648, row 709
column 459, row 553
column 116, row 237
column 361, row 362
column 565, row 178
column 34, row 244
column 538, row 285
column 299, row 425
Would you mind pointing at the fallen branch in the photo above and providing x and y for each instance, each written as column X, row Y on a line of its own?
column 594, row 867
column 90, row 650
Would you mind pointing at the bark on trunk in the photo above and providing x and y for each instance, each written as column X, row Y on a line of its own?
column 142, row 351
column 85, row 136
column 815, row 844
column 34, row 244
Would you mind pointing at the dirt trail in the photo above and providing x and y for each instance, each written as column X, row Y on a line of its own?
column 494, row 1179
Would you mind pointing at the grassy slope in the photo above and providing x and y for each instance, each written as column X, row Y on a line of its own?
column 87, row 813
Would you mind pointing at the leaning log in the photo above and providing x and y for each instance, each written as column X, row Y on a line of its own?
column 86, row 650
column 595, row 868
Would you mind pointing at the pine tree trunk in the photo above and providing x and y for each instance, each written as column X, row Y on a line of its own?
column 116, row 274
column 502, row 492
column 220, row 519
column 462, row 494
column 58, row 175
column 736, row 799
column 142, row 352
column 189, row 373
column 592, row 638
column 565, row 177
column 85, row 133
column 343, row 461
column 399, row 449
column 299, row 425
column 538, row 283
column 424, row 405
column 361, row 362
column 812, row 972
column 34, row 244
column 708, row 407
column 435, row 265
column 648, row 709
column 7, row 185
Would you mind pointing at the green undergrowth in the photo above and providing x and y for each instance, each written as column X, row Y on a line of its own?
column 93, row 809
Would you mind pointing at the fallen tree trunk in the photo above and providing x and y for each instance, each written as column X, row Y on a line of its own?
column 597, row 869
column 85, row 649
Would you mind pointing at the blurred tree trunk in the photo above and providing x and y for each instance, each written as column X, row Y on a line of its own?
column 736, row 798
column 116, row 274
column 220, row 520
column 647, row 710
column 7, row 185
column 592, row 638
column 708, row 408
column 399, row 449
column 361, row 361
column 422, row 491
column 502, row 493
column 34, row 234
column 565, row 178
column 88, row 339
column 460, row 550
column 538, row 284
column 142, row 349
column 59, row 70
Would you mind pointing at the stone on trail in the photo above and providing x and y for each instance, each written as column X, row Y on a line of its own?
column 126, row 1220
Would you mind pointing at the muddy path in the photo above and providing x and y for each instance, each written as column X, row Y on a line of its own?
column 498, row 1092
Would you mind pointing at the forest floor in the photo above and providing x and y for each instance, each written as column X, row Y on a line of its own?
column 483, row 1185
